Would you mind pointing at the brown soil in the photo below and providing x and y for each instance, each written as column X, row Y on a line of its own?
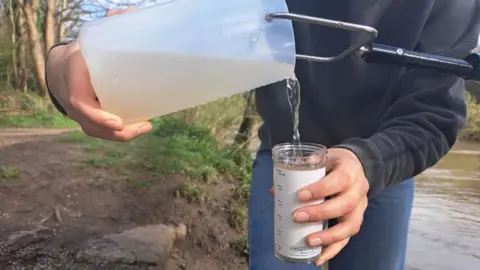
column 56, row 190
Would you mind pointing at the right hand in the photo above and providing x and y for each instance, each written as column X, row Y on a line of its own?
column 69, row 83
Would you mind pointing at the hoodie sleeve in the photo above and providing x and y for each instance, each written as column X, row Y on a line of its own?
column 52, row 98
column 421, row 124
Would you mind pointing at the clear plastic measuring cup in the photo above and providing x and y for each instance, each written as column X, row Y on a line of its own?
column 181, row 53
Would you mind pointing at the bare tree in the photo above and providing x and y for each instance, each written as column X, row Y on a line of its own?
column 245, row 131
column 50, row 22
column 29, row 11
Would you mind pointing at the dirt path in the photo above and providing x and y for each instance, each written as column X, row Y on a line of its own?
column 50, row 185
column 9, row 136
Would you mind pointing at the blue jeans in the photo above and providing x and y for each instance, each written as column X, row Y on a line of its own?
column 380, row 245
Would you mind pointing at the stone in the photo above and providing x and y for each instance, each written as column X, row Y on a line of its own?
column 25, row 244
column 146, row 245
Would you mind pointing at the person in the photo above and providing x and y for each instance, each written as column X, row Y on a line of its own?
column 383, row 125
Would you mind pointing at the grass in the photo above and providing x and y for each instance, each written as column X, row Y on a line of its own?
column 241, row 245
column 9, row 173
column 21, row 110
column 38, row 120
column 176, row 148
column 194, row 193
column 471, row 131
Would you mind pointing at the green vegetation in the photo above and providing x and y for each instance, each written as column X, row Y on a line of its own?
column 9, row 173
column 23, row 110
column 177, row 148
column 471, row 131
column 39, row 120
column 241, row 245
column 193, row 192
column 173, row 147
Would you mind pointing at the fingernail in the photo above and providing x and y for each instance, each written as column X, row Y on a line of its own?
column 304, row 195
column 301, row 217
column 315, row 242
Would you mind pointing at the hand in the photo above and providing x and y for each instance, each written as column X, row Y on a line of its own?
column 347, row 183
column 69, row 83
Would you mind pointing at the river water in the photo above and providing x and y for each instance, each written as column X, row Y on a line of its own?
column 445, row 223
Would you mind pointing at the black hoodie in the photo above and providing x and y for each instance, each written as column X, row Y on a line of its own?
column 397, row 121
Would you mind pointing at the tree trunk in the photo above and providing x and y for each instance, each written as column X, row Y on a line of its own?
column 22, row 50
column 11, row 13
column 244, row 133
column 35, row 46
column 49, row 25
column 61, row 21
column 34, row 7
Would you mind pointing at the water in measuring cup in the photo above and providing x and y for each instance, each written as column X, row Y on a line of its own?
column 290, row 236
column 293, row 96
column 289, row 178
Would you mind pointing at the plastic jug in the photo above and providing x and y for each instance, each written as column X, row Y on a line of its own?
column 181, row 53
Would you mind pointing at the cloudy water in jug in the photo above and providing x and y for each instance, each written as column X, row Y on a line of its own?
column 141, row 85
column 293, row 96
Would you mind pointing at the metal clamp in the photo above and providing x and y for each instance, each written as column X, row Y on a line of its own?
column 372, row 33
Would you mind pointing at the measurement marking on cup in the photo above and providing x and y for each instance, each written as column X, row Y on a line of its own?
column 280, row 203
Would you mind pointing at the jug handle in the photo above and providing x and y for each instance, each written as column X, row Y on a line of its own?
column 468, row 69
column 371, row 32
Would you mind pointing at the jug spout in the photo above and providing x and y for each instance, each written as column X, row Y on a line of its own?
column 175, row 55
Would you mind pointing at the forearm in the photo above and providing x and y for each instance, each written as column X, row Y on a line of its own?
column 415, row 132
column 392, row 156
column 427, row 109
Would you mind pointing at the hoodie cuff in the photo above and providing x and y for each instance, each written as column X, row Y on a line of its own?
column 52, row 98
column 371, row 160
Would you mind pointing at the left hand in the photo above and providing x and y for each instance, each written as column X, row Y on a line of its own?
column 346, row 181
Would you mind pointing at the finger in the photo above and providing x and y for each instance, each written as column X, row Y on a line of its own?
column 331, row 251
column 112, row 12
column 340, row 179
column 329, row 164
column 128, row 133
column 82, row 98
column 272, row 191
column 346, row 228
column 335, row 207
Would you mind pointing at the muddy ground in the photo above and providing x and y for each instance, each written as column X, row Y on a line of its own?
column 77, row 202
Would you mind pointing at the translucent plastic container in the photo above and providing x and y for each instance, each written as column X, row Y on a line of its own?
column 181, row 53
column 295, row 167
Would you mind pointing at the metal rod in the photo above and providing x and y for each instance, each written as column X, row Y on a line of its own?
column 372, row 33
column 383, row 54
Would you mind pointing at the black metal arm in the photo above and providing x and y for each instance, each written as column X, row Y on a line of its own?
column 468, row 69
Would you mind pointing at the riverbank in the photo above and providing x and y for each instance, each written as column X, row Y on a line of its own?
column 19, row 110
column 66, row 191
column 471, row 130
